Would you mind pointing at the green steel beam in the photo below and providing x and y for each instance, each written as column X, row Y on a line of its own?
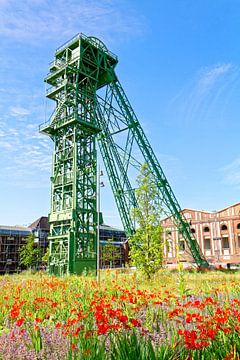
column 166, row 194
column 79, row 69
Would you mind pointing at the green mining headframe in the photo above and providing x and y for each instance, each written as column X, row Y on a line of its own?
column 91, row 106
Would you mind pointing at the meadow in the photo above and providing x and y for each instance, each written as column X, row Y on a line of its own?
column 175, row 315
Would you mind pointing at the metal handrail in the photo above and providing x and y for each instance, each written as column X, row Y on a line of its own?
column 87, row 38
column 56, row 87
column 43, row 125
column 63, row 46
column 60, row 121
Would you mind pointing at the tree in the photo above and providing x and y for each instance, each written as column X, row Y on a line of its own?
column 30, row 253
column 110, row 253
column 46, row 256
column 146, row 245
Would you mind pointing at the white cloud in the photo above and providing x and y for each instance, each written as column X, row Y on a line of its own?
column 231, row 172
column 28, row 20
column 6, row 145
column 25, row 155
column 210, row 75
column 201, row 96
column 18, row 111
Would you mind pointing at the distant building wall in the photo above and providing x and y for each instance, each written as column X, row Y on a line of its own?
column 40, row 229
column 217, row 233
column 13, row 237
column 120, row 247
column 11, row 240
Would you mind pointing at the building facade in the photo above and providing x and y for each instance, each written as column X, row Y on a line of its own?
column 13, row 237
column 40, row 229
column 217, row 233
column 118, row 256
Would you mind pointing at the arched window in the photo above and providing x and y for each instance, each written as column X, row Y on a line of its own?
column 206, row 229
column 238, row 226
column 224, row 227
column 193, row 231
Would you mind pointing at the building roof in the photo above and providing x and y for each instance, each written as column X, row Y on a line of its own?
column 213, row 211
column 41, row 223
column 109, row 228
column 233, row 205
column 204, row 211
column 15, row 227
column 14, row 230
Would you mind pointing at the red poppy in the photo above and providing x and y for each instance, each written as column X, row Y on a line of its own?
column 19, row 322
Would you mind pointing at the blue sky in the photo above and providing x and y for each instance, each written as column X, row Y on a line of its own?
column 179, row 65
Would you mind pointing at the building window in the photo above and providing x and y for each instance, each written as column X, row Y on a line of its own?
column 238, row 226
column 206, row 229
column 239, row 241
column 193, row 231
column 225, row 243
column 181, row 245
column 207, row 244
column 224, row 227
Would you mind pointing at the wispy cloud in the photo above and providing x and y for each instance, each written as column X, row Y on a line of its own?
column 18, row 111
column 42, row 19
column 198, row 99
column 25, row 154
column 208, row 76
column 28, row 24
column 231, row 173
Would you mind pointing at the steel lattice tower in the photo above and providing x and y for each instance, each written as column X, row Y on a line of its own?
column 91, row 105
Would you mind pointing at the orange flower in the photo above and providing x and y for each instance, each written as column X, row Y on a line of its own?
column 88, row 334
column 74, row 347
column 54, row 304
column 19, row 322
column 123, row 318
column 135, row 322
column 38, row 320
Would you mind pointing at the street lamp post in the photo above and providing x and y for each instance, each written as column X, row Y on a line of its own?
column 99, row 185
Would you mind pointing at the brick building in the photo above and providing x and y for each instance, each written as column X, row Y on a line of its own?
column 217, row 233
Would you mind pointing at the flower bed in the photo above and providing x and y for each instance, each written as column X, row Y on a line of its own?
column 124, row 318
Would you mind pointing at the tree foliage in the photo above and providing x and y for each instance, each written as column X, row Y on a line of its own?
column 146, row 245
column 30, row 253
column 110, row 253
column 46, row 256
